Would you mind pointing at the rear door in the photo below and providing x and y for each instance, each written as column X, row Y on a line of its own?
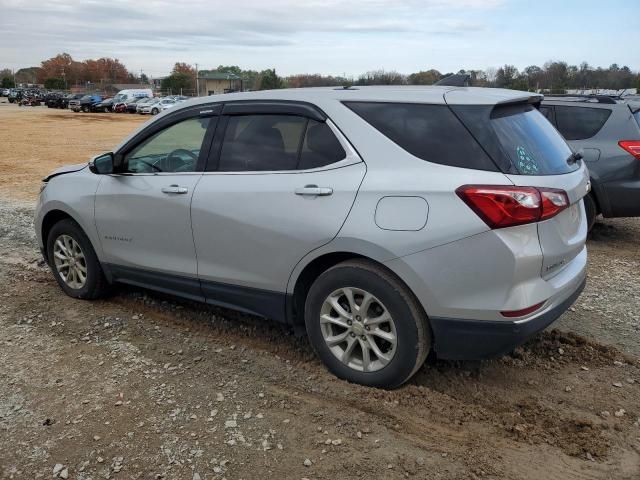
column 280, row 182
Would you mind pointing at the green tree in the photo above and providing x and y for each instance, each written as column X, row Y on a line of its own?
column 269, row 80
column 428, row 77
column 54, row 84
column 177, row 82
column 7, row 82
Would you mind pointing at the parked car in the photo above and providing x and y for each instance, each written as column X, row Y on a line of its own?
column 133, row 104
column 390, row 222
column 142, row 104
column 85, row 103
column 54, row 100
column 606, row 132
column 158, row 106
column 106, row 105
column 68, row 98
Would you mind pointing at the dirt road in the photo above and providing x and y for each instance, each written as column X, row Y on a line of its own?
column 141, row 386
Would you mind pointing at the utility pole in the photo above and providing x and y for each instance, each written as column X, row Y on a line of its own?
column 197, row 82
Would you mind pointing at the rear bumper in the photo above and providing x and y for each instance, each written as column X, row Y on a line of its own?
column 457, row 339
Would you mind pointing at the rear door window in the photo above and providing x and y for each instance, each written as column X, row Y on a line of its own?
column 261, row 143
column 530, row 141
column 580, row 123
column 320, row 147
column 430, row 132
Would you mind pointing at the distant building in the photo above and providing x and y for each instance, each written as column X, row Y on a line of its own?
column 214, row 83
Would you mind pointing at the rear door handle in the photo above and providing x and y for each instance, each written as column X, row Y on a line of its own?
column 314, row 190
column 176, row 189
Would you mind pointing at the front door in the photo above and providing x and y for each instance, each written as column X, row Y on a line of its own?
column 142, row 213
column 280, row 187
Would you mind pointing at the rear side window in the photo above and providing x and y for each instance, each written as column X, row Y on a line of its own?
column 261, row 143
column 430, row 132
column 320, row 147
column 277, row 142
column 530, row 141
column 636, row 115
column 580, row 123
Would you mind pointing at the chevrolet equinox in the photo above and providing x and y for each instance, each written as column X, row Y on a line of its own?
column 389, row 221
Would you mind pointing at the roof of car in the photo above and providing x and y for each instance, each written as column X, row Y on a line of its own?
column 391, row 93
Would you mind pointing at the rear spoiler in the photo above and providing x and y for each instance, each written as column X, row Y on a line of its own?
column 533, row 98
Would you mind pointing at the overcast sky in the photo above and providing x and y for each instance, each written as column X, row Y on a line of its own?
column 322, row 36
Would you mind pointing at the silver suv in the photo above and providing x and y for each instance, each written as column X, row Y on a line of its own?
column 390, row 221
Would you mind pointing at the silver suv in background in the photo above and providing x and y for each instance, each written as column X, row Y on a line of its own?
column 606, row 132
column 389, row 221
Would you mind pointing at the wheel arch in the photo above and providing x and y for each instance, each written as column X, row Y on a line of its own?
column 304, row 276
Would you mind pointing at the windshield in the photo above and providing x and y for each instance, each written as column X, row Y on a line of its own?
column 532, row 144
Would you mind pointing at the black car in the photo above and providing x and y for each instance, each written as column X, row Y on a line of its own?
column 133, row 104
column 54, row 100
column 104, row 106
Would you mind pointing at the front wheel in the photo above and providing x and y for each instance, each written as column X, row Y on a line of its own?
column 154, row 111
column 366, row 326
column 73, row 261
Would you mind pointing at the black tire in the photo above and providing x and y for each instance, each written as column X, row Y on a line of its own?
column 154, row 111
column 411, row 324
column 96, row 284
column 591, row 209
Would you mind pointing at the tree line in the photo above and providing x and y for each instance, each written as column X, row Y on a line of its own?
column 62, row 72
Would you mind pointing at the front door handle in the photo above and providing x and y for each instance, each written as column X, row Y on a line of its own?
column 314, row 190
column 177, row 189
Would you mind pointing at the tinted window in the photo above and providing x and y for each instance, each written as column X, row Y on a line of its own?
column 320, row 147
column 579, row 123
column 547, row 112
column 174, row 149
column 262, row 142
column 530, row 141
column 430, row 132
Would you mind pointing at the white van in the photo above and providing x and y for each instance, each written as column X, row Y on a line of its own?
column 128, row 95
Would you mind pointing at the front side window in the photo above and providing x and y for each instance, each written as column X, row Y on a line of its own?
column 174, row 149
column 580, row 123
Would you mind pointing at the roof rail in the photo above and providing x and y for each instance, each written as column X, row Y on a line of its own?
column 609, row 99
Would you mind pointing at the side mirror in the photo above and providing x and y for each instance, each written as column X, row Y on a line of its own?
column 102, row 164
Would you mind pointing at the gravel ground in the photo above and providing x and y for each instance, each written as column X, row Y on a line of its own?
column 144, row 386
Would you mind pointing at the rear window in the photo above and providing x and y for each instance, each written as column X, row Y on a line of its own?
column 530, row 141
column 430, row 132
column 580, row 123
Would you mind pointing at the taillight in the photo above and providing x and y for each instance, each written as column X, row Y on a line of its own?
column 631, row 146
column 508, row 206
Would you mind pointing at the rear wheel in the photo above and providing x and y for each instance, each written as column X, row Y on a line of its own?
column 365, row 325
column 85, row 109
column 591, row 209
column 73, row 261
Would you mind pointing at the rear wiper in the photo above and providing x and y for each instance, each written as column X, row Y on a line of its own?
column 575, row 157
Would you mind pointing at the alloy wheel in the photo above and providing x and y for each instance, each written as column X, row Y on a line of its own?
column 358, row 329
column 70, row 262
